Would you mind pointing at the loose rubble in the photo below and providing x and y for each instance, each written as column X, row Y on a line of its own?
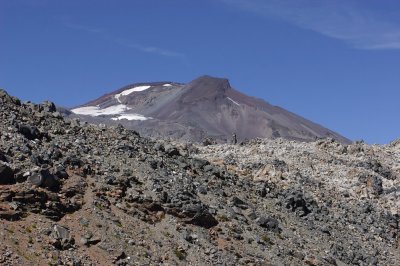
column 73, row 193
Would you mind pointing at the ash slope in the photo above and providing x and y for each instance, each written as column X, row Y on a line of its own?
column 72, row 193
column 205, row 107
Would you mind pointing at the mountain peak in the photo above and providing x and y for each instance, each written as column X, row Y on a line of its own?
column 205, row 87
column 206, row 81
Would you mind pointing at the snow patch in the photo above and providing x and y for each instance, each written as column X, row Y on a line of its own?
column 131, row 117
column 119, row 110
column 129, row 91
column 230, row 99
column 97, row 111
column 167, row 85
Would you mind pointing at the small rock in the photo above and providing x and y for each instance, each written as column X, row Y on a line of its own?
column 239, row 203
column 271, row 224
column 202, row 190
column 61, row 238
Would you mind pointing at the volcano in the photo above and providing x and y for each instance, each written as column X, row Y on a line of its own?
column 207, row 107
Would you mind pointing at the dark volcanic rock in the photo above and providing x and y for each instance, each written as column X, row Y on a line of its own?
column 3, row 157
column 30, row 132
column 269, row 223
column 204, row 219
column 296, row 201
column 44, row 178
column 239, row 203
column 6, row 175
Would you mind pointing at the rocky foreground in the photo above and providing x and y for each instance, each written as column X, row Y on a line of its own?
column 73, row 193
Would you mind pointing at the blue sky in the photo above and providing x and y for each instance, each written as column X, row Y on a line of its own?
column 334, row 62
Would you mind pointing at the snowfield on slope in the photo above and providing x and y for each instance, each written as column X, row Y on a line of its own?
column 129, row 91
column 119, row 110
column 97, row 111
column 131, row 117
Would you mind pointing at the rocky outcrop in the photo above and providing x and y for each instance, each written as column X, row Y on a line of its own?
column 74, row 193
column 346, row 196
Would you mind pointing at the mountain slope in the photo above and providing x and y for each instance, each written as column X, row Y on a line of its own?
column 73, row 193
column 205, row 107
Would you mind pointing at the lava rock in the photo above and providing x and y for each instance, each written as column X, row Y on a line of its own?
column 171, row 151
column 199, row 163
column 73, row 161
column 202, row 217
column 374, row 183
column 3, row 157
column 56, row 154
column 49, row 106
column 60, row 172
column 89, row 240
column 60, row 232
column 239, row 203
column 296, row 201
column 159, row 147
column 6, row 175
column 61, row 237
column 29, row 132
column 110, row 180
column 45, row 179
column 36, row 179
column 202, row 190
column 271, row 224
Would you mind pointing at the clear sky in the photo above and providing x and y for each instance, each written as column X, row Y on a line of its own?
column 335, row 62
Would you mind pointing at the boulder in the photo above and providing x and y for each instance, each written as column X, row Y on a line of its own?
column 35, row 179
column 295, row 201
column 49, row 106
column 61, row 237
column 45, row 179
column 29, row 132
column 203, row 219
column 6, row 175
column 271, row 224
column 171, row 150
column 200, row 216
